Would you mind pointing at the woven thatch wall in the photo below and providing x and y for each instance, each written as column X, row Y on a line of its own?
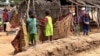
column 60, row 27
column 41, row 6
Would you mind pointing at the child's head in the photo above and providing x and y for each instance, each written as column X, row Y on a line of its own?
column 47, row 12
column 11, row 5
column 5, row 10
column 31, row 14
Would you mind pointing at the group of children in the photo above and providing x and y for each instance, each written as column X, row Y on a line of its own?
column 32, row 26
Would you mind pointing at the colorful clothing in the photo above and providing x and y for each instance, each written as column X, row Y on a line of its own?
column 32, row 36
column 5, row 16
column 86, row 24
column 85, row 28
column 18, row 42
column 8, row 26
column 5, row 19
column 32, row 28
column 32, row 25
column 49, row 26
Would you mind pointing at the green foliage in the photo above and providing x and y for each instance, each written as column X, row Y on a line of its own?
column 13, row 1
column 2, row 0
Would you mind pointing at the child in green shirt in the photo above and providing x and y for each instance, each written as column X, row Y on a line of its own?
column 32, row 27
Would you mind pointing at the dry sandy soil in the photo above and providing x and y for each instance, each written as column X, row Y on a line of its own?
column 93, row 52
column 6, row 48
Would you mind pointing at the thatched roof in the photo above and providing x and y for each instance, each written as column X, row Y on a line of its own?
column 88, row 2
column 41, row 6
column 55, row 5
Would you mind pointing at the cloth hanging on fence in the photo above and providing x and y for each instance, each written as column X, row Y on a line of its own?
column 18, row 42
column 89, row 10
column 8, row 26
column 26, row 36
column 11, row 13
column 15, row 20
column 95, row 15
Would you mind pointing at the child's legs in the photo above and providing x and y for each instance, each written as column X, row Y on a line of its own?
column 50, row 38
column 7, row 32
column 31, row 38
column 34, row 38
column 87, row 29
column 4, row 27
column 84, row 29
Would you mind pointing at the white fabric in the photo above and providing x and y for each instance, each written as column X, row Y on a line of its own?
column 8, row 26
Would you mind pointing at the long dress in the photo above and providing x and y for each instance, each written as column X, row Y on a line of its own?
column 49, row 26
column 86, row 24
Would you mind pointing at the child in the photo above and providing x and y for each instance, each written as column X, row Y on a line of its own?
column 48, row 25
column 5, row 18
column 32, row 29
column 86, row 20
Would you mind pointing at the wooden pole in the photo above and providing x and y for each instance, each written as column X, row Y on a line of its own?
column 77, row 14
column 28, row 7
column 98, row 19
column 60, row 14
column 24, row 27
column 33, row 4
column 78, row 20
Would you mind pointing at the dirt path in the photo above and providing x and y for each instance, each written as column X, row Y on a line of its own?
column 6, row 48
column 93, row 52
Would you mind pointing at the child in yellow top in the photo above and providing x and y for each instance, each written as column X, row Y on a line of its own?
column 48, row 26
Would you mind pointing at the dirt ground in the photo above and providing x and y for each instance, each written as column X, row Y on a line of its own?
column 6, row 48
column 93, row 52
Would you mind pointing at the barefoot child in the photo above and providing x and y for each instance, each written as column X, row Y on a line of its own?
column 32, row 29
column 48, row 26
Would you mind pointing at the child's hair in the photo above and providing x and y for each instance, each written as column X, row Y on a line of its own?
column 31, row 14
column 11, row 5
column 47, row 12
column 5, row 10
